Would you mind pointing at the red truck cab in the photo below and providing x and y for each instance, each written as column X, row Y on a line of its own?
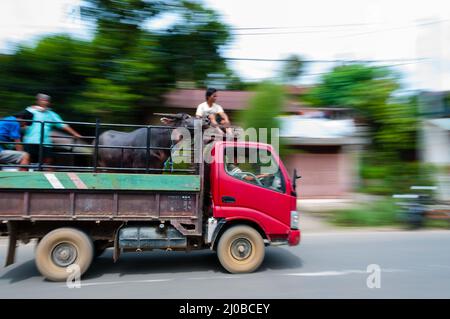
column 250, row 185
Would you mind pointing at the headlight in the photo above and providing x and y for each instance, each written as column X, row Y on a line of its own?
column 294, row 219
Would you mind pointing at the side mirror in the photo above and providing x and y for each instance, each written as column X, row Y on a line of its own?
column 294, row 179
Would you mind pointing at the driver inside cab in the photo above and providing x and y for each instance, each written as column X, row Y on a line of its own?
column 262, row 171
column 234, row 170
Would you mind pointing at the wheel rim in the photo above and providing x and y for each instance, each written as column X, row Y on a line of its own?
column 64, row 254
column 241, row 249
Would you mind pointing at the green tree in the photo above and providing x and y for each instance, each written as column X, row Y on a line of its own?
column 125, row 70
column 264, row 107
column 57, row 64
column 388, row 164
column 291, row 69
column 147, row 64
column 118, row 24
column 192, row 46
column 369, row 91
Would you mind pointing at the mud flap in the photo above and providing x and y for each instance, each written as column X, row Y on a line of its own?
column 12, row 245
column 219, row 227
column 116, row 252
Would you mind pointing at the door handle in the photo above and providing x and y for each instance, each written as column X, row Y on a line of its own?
column 228, row 199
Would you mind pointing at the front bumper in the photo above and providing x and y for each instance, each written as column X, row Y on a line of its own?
column 294, row 237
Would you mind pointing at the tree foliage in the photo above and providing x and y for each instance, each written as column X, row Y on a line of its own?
column 125, row 69
column 292, row 68
column 264, row 107
column 369, row 92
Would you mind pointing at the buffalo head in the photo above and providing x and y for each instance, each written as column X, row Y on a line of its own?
column 181, row 120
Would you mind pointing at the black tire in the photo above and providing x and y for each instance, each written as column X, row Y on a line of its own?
column 61, row 248
column 241, row 249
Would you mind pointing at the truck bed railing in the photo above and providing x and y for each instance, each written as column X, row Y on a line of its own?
column 90, row 151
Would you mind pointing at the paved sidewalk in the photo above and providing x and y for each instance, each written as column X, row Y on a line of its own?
column 312, row 221
column 312, row 224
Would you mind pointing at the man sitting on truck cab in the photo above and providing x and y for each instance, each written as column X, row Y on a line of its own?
column 213, row 111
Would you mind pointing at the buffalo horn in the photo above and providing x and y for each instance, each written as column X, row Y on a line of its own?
column 170, row 115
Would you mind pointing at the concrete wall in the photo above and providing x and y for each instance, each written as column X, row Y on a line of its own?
column 323, row 175
column 435, row 144
column 435, row 149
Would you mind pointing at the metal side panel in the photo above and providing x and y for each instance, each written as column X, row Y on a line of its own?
column 180, row 208
column 99, row 181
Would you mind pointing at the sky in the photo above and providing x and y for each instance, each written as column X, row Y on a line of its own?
column 413, row 37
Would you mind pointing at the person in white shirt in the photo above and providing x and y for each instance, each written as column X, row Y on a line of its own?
column 212, row 110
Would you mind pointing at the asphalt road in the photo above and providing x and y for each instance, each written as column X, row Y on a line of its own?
column 325, row 265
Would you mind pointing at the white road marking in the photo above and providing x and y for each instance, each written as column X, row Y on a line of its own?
column 380, row 231
column 327, row 273
column 148, row 281
column 54, row 181
column 212, row 278
column 121, row 282
column 338, row 273
column 440, row 266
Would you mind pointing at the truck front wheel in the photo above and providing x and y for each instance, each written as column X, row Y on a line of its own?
column 240, row 249
column 62, row 248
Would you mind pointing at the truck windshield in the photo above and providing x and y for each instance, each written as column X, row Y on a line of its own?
column 254, row 166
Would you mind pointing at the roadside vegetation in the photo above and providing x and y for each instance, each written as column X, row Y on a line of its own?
column 382, row 212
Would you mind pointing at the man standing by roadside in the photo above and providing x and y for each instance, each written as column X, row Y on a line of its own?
column 42, row 112
column 10, row 132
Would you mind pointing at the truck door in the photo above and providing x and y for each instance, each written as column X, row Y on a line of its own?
column 251, row 179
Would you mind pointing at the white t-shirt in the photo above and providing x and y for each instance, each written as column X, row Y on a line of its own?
column 204, row 109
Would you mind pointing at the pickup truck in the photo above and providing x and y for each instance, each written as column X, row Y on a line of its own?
column 75, row 214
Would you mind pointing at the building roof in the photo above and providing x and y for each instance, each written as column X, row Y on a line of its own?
column 300, row 126
column 191, row 98
column 229, row 100
column 303, row 130
column 441, row 123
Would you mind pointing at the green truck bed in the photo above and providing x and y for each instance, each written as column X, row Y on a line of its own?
column 58, row 196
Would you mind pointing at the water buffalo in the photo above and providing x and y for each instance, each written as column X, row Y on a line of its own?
column 136, row 158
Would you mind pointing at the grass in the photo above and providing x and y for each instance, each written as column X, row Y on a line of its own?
column 383, row 212
column 437, row 223
column 394, row 178
column 379, row 213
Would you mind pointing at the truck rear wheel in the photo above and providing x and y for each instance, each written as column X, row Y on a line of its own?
column 61, row 248
column 240, row 249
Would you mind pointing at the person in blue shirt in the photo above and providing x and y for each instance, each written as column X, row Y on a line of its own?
column 10, row 132
column 42, row 112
